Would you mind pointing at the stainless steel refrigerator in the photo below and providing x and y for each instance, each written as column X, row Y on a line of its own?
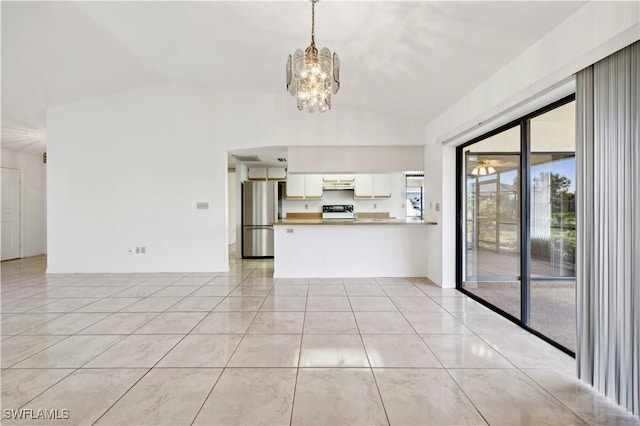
column 259, row 211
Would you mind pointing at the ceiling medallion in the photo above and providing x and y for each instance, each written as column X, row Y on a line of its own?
column 312, row 76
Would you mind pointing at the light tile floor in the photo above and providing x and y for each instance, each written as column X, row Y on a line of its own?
column 242, row 348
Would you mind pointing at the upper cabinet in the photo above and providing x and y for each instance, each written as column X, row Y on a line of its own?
column 338, row 178
column 257, row 172
column 270, row 173
column 295, row 186
column 276, row 173
column 372, row 186
column 365, row 186
column 381, row 186
column 313, row 186
column 304, row 187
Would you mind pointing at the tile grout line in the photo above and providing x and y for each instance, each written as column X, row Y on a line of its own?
column 295, row 384
column 364, row 348
column 467, row 396
column 123, row 394
column 554, row 397
column 515, row 367
column 226, row 364
column 73, row 370
column 162, row 357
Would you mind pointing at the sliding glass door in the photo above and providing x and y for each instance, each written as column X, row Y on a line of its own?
column 492, row 220
column 553, row 225
column 517, row 221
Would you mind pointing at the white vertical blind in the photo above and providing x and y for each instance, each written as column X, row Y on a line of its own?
column 608, row 256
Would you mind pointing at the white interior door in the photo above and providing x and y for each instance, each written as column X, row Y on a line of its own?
column 10, row 213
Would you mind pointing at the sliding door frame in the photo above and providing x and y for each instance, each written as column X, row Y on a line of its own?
column 525, row 218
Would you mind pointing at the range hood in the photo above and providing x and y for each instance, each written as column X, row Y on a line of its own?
column 337, row 186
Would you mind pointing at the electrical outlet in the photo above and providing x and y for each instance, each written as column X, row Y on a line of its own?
column 306, row 206
column 437, row 207
column 143, row 250
column 137, row 250
column 375, row 206
column 289, row 230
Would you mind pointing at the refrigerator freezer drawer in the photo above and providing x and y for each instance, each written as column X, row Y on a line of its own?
column 258, row 241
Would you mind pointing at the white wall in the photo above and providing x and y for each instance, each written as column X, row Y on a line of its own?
column 231, row 215
column 433, row 199
column 33, row 199
column 535, row 78
column 127, row 170
column 595, row 31
column 355, row 159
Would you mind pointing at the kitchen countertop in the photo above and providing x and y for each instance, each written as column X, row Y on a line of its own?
column 353, row 222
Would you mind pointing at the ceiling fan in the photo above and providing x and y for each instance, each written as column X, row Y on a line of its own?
column 488, row 167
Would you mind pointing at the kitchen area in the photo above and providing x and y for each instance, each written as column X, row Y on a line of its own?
column 334, row 224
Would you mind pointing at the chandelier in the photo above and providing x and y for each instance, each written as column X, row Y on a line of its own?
column 312, row 76
column 482, row 169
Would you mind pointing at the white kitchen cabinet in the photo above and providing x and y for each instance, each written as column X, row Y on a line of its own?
column 257, row 173
column 295, row 186
column 381, row 186
column 313, row 186
column 304, row 186
column 270, row 173
column 276, row 173
column 363, row 186
column 372, row 186
column 338, row 178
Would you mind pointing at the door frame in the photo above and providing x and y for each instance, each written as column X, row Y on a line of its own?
column 525, row 232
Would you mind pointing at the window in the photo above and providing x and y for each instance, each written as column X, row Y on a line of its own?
column 415, row 196
column 517, row 228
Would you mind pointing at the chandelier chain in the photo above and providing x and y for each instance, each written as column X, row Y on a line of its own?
column 313, row 22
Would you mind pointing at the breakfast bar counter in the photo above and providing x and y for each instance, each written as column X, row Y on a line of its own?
column 336, row 248
column 352, row 222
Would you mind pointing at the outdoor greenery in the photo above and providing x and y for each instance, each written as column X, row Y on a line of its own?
column 560, row 248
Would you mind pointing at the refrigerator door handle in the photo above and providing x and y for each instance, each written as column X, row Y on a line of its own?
column 257, row 241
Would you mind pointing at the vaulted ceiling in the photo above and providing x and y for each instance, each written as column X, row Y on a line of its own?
column 407, row 59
